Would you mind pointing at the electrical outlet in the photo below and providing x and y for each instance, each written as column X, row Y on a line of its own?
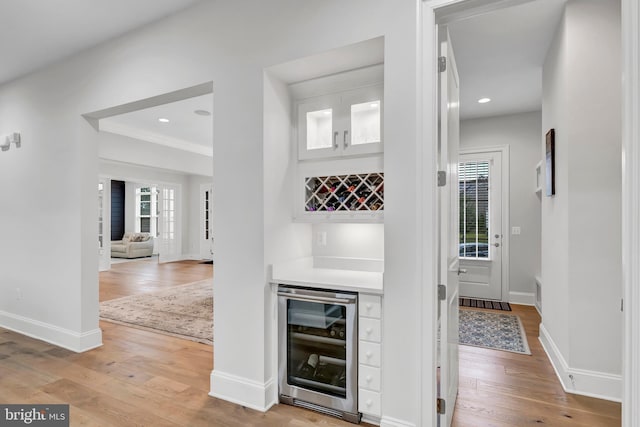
column 321, row 238
column 515, row 231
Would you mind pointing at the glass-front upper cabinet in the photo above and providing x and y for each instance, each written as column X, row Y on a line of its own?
column 348, row 123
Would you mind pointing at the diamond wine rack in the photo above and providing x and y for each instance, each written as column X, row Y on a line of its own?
column 356, row 192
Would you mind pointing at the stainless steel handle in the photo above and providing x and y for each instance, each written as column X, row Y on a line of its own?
column 344, row 139
column 335, row 140
column 462, row 271
column 313, row 298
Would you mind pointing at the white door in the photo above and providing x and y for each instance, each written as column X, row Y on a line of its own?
column 481, row 233
column 104, row 226
column 170, row 247
column 206, row 222
column 448, row 236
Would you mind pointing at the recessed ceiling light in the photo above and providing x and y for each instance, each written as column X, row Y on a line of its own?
column 163, row 120
column 202, row 112
column 484, row 100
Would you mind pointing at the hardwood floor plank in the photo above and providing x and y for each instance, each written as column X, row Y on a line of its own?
column 519, row 390
column 146, row 379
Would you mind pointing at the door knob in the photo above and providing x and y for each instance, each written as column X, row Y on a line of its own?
column 496, row 245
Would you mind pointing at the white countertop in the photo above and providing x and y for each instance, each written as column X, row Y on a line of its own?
column 318, row 273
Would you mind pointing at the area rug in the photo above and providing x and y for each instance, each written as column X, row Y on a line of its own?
column 497, row 331
column 481, row 303
column 184, row 311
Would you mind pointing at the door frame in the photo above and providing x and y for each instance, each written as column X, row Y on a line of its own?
column 506, row 224
column 434, row 12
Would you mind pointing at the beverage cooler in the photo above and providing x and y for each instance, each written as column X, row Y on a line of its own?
column 318, row 340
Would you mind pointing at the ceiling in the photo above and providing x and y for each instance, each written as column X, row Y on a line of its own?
column 42, row 32
column 500, row 56
column 184, row 130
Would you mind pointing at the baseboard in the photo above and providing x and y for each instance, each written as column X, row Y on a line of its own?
column 370, row 419
column 394, row 422
column 580, row 381
column 244, row 392
column 522, row 298
column 192, row 257
column 61, row 337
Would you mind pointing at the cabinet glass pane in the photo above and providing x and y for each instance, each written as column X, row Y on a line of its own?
column 319, row 128
column 365, row 123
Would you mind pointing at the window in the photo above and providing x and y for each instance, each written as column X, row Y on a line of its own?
column 207, row 212
column 474, row 209
column 147, row 210
column 168, row 214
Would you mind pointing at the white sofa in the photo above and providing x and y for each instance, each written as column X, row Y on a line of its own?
column 132, row 245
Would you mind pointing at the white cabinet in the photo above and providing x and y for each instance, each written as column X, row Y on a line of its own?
column 369, row 354
column 343, row 124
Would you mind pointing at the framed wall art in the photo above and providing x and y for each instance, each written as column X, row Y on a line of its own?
column 550, row 162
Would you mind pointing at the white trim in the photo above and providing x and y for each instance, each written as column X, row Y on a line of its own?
column 630, row 16
column 506, row 203
column 243, row 391
column 600, row 385
column 75, row 341
column 394, row 422
column 428, row 251
column 522, row 298
column 370, row 419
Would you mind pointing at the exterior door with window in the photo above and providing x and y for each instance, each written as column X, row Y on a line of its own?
column 206, row 222
column 480, row 236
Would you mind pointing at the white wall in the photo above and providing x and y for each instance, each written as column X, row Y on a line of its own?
column 521, row 132
column 229, row 43
column 350, row 240
column 581, row 236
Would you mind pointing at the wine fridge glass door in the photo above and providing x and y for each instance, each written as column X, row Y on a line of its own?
column 317, row 346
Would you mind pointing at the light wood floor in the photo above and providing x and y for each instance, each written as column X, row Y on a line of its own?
column 499, row 388
column 140, row 378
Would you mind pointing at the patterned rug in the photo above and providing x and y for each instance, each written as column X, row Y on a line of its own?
column 184, row 311
column 493, row 330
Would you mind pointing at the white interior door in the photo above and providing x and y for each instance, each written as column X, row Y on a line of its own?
column 206, row 222
column 480, row 245
column 448, row 235
column 170, row 247
column 104, row 224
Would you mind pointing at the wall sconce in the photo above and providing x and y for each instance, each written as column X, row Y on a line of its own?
column 6, row 140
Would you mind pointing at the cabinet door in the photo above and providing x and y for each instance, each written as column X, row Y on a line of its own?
column 317, row 136
column 362, row 131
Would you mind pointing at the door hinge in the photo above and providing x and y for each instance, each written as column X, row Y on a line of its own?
column 442, row 292
column 442, row 178
column 442, row 64
column 441, row 406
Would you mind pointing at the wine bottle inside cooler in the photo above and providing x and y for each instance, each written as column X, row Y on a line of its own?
column 309, row 366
